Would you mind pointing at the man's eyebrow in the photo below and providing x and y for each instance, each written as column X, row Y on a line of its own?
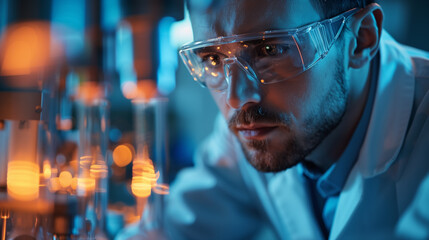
column 226, row 48
column 221, row 49
column 207, row 49
column 252, row 42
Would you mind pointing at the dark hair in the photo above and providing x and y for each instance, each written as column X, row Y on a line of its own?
column 330, row 8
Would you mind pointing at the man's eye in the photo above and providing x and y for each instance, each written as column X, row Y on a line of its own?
column 272, row 50
column 211, row 60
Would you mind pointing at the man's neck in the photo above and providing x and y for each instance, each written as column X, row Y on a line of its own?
column 331, row 148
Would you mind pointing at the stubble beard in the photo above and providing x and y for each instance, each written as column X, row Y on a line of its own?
column 264, row 156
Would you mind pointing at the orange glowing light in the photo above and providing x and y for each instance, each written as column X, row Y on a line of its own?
column 140, row 186
column 143, row 167
column 65, row 179
column 23, row 180
column 147, row 89
column 85, row 162
column 98, row 170
column 122, row 155
column 4, row 214
column 89, row 92
column 144, row 89
column 146, row 170
column 64, row 124
column 54, row 171
column 28, row 47
column 85, row 185
column 161, row 189
column 145, row 178
column 54, row 184
column 129, row 90
column 47, row 170
column 74, row 183
column 74, row 164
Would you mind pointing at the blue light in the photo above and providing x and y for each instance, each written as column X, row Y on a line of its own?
column 181, row 31
column 111, row 14
column 115, row 135
column 3, row 15
column 70, row 15
column 167, row 58
column 125, row 55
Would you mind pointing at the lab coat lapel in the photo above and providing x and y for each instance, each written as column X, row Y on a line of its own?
column 291, row 199
column 347, row 203
column 391, row 110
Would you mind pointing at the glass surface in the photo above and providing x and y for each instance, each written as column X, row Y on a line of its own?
column 93, row 171
column 266, row 57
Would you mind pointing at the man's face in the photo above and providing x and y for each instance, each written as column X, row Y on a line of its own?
column 277, row 124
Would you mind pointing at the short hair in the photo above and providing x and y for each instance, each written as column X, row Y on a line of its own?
column 331, row 8
column 325, row 8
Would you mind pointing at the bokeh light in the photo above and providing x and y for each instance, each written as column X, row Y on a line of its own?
column 144, row 89
column 47, row 170
column 65, row 179
column 74, row 183
column 144, row 178
column 85, row 185
column 23, row 180
column 98, row 170
column 141, row 186
column 27, row 48
column 161, row 189
column 54, row 184
column 122, row 155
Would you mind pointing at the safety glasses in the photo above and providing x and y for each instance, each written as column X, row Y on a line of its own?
column 266, row 57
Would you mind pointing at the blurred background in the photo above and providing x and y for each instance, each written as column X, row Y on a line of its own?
column 82, row 84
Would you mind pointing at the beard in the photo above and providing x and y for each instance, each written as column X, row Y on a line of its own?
column 274, row 156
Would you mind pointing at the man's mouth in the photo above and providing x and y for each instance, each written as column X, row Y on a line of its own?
column 255, row 131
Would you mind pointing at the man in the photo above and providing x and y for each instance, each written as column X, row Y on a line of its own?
column 324, row 126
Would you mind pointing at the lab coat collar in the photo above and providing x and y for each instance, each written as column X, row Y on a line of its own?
column 386, row 131
column 293, row 204
column 391, row 111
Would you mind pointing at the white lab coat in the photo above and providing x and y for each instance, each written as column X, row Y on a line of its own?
column 223, row 197
column 414, row 224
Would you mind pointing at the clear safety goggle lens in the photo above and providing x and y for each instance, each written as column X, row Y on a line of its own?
column 267, row 57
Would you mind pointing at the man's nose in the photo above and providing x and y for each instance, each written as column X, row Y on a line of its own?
column 243, row 86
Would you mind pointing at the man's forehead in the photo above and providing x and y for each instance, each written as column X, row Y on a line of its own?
column 230, row 17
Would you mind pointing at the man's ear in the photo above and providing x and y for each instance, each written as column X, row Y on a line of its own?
column 366, row 28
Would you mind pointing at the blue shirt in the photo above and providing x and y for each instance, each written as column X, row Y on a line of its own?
column 326, row 187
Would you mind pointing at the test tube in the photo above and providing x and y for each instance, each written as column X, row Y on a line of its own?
column 23, row 169
column 92, row 173
column 22, row 180
column 150, row 165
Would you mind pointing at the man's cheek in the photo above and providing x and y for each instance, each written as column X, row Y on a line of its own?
column 220, row 100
